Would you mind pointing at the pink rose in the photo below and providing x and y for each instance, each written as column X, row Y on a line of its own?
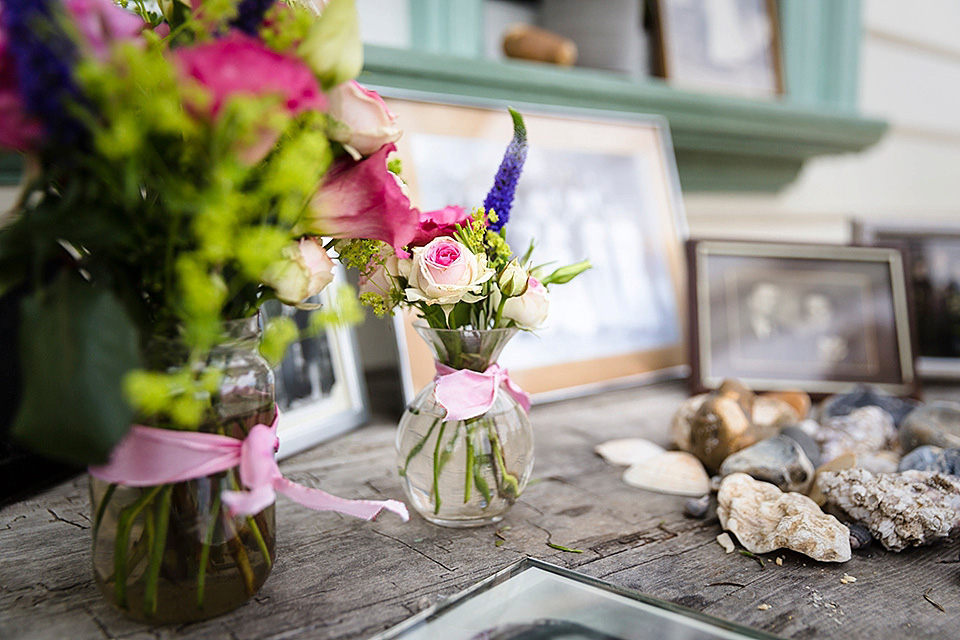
column 17, row 129
column 530, row 309
column 445, row 272
column 363, row 200
column 361, row 119
column 240, row 65
column 442, row 222
column 101, row 23
column 305, row 270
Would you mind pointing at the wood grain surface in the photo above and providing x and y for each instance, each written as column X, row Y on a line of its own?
column 336, row 577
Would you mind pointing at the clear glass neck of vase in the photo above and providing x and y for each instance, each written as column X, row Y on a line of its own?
column 474, row 349
column 164, row 352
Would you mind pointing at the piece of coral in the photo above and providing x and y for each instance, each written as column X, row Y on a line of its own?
column 901, row 510
column 764, row 519
column 866, row 429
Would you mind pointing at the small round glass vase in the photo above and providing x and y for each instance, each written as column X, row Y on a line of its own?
column 173, row 553
column 464, row 473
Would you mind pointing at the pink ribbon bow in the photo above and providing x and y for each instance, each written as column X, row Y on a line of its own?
column 148, row 456
column 467, row 394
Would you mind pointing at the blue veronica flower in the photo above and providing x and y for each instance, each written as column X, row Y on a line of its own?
column 250, row 15
column 44, row 56
column 500, row 198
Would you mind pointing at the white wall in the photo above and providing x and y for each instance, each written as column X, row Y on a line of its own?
column 909, row 76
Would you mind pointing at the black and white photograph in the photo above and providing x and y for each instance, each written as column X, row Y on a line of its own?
column 814, row 317
column 729, row 46
column 932, row 258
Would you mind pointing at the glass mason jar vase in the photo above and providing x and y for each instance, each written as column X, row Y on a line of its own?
column 173, row 553
column 464, row 473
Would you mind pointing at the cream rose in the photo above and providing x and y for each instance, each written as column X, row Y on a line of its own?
column 530, row 309
column 361, row 119
column 304, row 270
column 445, row 272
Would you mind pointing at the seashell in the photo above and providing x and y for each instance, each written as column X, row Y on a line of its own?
column 863, row 430
column 846, row 461
column 860, row 536
column 627, row 451
column 764, row 519
column 675, row 472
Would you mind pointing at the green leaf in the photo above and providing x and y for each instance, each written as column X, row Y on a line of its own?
column 76, row 346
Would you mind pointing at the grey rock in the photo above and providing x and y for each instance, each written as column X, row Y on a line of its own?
column 949, row 462
column 936, row 423
column 779, row 461
column 922, row 458
column 843, row 404
column 860, row 536
column 905, row 509
column 697, row 507
column 801, row 436
column 865, row 430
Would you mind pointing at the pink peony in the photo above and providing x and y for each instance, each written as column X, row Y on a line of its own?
column 101, row 22
column 363, row 200
column 240, row 65
column 361, row 119
column 442, row 222
column 17, row 129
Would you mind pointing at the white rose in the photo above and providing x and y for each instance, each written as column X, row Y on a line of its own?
column 304, row 270
column 530, row 309
column 362, row 120
column 445, row 272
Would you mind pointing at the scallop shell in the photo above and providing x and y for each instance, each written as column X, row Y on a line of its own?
column 627, row 451
column 675, row 472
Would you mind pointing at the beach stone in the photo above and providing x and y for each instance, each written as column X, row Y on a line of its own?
column 736, row 390
column 936, row 423
column 680, row 426
column 720, row 427
column 799, row 400
column 770, row 415
column 923, row 458
column 901, row 510
column 801, row 436
column 864, row 430
column 842, row 404
column 765, row 519
column 878, row 461
column 779, row 460
column 949, row 461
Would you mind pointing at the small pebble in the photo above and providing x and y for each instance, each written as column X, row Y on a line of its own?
column 763, row 607
column 697, row 507
column 726, row 542
column 779, row 562
column 847, row 579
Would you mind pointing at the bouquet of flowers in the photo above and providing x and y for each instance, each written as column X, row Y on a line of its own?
column 471, row 293
column 185, row 164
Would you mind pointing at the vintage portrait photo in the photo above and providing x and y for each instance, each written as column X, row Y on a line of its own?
column 729, row 46
column 813, row 317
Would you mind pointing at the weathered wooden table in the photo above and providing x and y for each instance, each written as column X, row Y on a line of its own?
column 336, row 577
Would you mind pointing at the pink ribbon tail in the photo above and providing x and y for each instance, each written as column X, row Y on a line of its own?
column 148, row 456
column 467, row 394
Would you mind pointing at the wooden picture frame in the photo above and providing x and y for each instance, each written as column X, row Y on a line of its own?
column 593, row 187
column 725, row 46
column 819, row 318
column 931, row 254
column 319, row 383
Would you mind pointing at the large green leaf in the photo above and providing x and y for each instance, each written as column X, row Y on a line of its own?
column 76, row 345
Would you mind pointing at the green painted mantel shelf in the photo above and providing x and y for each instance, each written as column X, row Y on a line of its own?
column 721, row 143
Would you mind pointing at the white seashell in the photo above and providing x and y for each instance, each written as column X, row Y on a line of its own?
column 675, row 472
column 627, row 451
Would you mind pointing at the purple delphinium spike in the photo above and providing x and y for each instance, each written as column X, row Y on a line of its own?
column 500, row 198
column 250, row 15
column 44, row 56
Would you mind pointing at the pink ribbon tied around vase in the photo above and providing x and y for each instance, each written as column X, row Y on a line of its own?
column 148, row 456
column 467, row 394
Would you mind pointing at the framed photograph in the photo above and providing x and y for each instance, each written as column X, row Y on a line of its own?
column 592, row 187
column 534, row 599
column 319, row 382
column 932, row 260
column 788, row 316
column 729, row 46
